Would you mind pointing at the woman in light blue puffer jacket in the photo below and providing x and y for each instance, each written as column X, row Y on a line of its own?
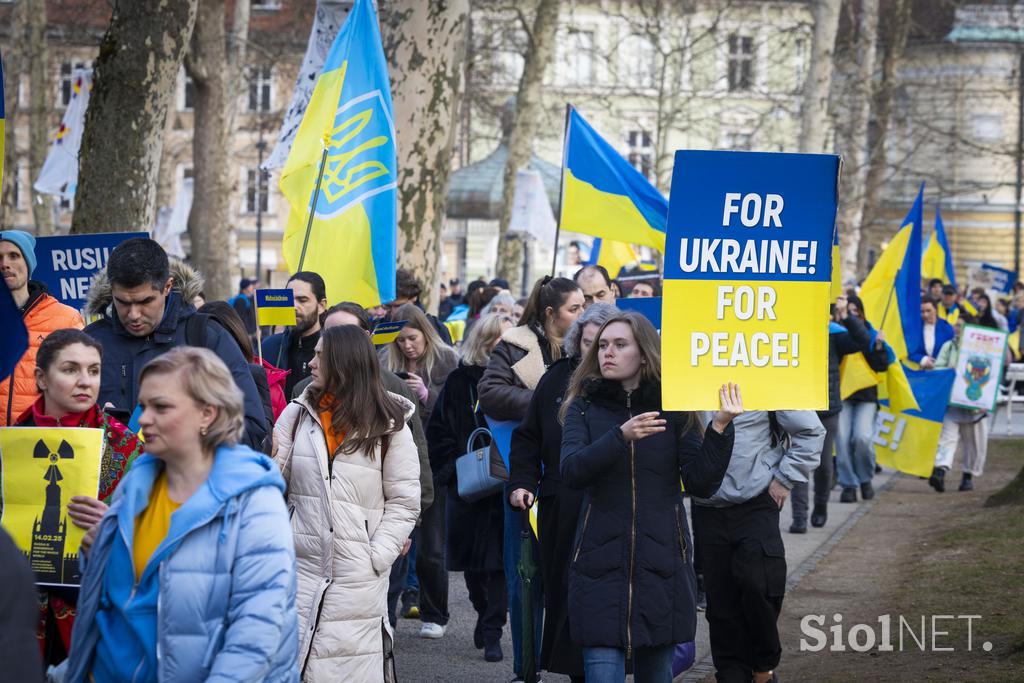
column 191, row 572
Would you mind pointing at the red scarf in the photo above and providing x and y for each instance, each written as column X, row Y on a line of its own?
column 92, row 418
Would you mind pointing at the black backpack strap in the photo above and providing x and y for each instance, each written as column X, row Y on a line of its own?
column 195, row 330
column 773, row 427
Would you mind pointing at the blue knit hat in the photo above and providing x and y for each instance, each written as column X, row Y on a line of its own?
column 25, row 242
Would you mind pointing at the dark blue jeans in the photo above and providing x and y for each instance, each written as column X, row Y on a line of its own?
column 608, row 664
column 513, row 551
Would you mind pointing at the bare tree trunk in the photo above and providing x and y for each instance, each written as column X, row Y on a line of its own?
column 37, row 61
column 529, row 107
column 814, row 113
column 13, row 63
column 123, row 141
column 425, row 44
column 896, row 25
column 215, row 63
column 855, row 174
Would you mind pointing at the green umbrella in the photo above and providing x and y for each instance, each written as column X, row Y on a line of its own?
column 527, row 571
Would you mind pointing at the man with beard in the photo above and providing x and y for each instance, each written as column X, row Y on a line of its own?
column 293, row 349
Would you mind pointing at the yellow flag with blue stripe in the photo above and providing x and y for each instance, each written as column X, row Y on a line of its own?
column 603, row 195
column 907, row 440
column 613, row 256
column 937, row 260
column 348, row 129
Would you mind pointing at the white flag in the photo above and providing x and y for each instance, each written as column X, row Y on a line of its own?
column 59, row 174
column 171, row 223
column 330, row 15
column 531, row 210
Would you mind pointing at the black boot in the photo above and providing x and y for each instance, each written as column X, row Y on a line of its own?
column 702, row 597
column 799, row 526
column 849, row 495
column 966, row 484
column 938, row 479
column 820, row 515
column 867, row 491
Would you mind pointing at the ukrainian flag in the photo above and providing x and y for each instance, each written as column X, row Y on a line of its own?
column 907, row 440
column 613, row 256
column 352, row 242
column 275, row 307
column 937, row 261
column 892, row 290
column 603, row 196
column 855, row 374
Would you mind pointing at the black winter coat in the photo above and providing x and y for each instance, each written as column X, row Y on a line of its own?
column 854, row 340
column 631, row 581
column 540, row 426
column 475, row 530
column 124, row 356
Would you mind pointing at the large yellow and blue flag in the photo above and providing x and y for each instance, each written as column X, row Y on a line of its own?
column 352, row 238
column 907, row 440
column 855, row 374
column 603, row 195
column 937, row 261
column 892, row 290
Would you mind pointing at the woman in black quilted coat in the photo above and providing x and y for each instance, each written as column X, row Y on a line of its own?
column 631, row 580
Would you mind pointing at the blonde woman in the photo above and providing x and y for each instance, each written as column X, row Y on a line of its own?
column 195, row 557
column 474, row 544
column 419, row 357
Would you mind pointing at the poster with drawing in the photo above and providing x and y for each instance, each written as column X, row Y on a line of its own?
column 979, row 368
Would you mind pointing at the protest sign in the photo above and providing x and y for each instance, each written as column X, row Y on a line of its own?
column 66, row 264
column 990, row 277
column 907, row 440
column 386, row 332
column 748, row 268
column 42, row 468
column 275, row 307
column 979, row 367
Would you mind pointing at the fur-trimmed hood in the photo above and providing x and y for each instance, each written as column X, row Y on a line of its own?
column 188, row 281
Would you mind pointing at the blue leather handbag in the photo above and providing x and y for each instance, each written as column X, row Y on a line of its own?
column 477, row 474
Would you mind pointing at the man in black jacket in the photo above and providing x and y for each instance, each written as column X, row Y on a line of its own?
column 293, row 349
column 149, row 318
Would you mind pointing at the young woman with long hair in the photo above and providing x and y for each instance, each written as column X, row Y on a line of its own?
column 474, row 529
column 516, row 366
column 534, row 467
column 68, row 368
column 419, row 356
column 352, row 472
column 631, row 580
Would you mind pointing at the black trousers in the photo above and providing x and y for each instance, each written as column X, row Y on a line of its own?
column 822, row 475
column 743, row 562
column 396, row 584
column 430, row 562
column 489, row 596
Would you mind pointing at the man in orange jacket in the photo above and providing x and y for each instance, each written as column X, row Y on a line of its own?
column 42, row 315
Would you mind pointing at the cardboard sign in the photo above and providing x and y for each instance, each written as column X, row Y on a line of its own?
column 979, row 367
column 68, row 263
column 748, row 268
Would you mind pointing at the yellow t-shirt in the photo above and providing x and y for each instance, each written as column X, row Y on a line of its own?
column 152, row 524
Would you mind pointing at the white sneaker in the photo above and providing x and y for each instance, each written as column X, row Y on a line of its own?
column 432, row 631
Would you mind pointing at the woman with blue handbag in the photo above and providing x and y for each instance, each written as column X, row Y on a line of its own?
column 474, row 544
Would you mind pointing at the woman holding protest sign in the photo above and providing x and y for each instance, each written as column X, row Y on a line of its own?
column 67, row 376
column 518, row 362
column 629, row 457
column 194, row 559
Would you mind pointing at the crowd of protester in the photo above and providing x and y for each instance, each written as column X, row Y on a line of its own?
column 281, row 505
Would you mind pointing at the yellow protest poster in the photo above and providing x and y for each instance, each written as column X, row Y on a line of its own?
column 41, row 469
column 748, row 278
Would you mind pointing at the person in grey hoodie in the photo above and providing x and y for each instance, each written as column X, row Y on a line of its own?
column 738, row 546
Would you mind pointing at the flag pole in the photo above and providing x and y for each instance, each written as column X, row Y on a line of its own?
column 316, row 194
column 561, row 189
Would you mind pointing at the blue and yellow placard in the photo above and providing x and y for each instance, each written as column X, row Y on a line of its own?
column 275, row 307
column 385, row 333
column 748, row 267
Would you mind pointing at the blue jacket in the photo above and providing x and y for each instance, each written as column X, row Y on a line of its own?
column 631, row 579
column 124, row 356
column 217, row 599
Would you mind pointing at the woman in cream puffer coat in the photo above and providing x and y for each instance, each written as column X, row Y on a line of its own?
column 350, row 516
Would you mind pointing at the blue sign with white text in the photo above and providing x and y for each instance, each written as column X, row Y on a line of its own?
column 66, row 264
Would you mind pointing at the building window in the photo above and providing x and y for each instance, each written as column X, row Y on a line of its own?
column 266, row 4
column 186, row 93
column 733, row 140
column 800, row 62
column 638, row 62
column 579, row 57
column 261, row 88
column 741, row 62
column 67, row 80
column 641, row 152
column 512, row 45
column 257, row 190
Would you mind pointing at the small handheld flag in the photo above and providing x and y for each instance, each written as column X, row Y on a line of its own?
column 275, row 307
column 385, row 333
